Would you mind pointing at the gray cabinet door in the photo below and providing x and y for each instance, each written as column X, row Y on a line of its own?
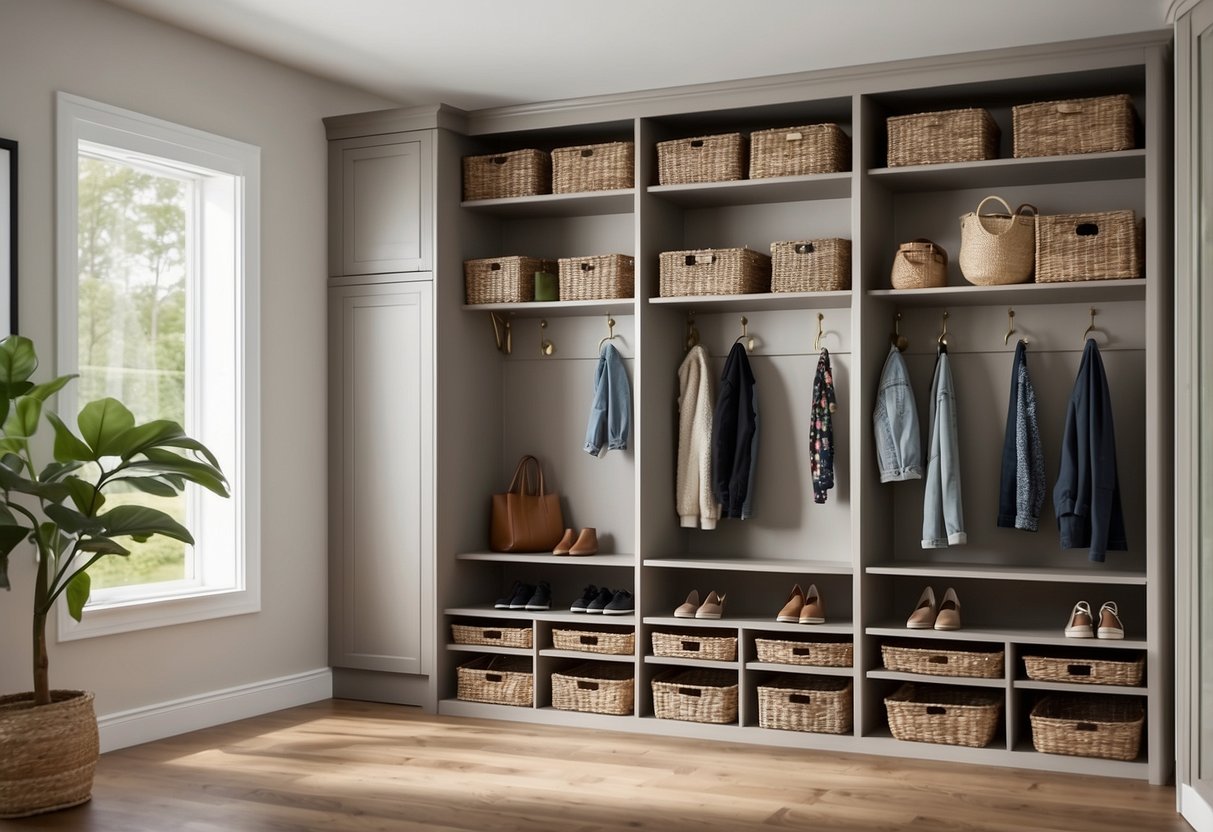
column 381, row 476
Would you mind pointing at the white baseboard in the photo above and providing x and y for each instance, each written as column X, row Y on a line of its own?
column 167, row 719
column 1195, row 811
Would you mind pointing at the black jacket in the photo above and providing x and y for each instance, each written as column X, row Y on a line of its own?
column 735, row 437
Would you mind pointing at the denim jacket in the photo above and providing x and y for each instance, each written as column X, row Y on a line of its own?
column 898, row 445
column 610, row 418
column 942, row 509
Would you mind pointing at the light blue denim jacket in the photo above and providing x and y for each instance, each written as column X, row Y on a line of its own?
column 611, row 410
column 942, row 511
column 898, row 445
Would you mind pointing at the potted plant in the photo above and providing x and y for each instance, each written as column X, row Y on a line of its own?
column 48, row 738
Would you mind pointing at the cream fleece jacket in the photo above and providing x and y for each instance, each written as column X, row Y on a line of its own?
column 693, row 486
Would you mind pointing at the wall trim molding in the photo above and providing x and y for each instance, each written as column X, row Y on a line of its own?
column 1195, row 811
column 1174, row 9
column 204, row 710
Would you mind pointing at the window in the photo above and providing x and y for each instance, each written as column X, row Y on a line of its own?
column 157, row 306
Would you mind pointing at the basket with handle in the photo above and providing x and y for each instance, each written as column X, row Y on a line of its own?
column 920, row 264
column 997, row 249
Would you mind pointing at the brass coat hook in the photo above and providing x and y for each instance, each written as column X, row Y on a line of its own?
column 546, row 347
column 692, row 338
column 820, row 333
column 744, row 336
column 502, row 332
column 1010, row 326
column 943, row 332
column 610, row 332
column 896, row 338
column 1090, row 328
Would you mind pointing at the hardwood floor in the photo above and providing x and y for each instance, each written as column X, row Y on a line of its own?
column 341, row 765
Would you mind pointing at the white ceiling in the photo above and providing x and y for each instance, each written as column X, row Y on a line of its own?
column 481, row 53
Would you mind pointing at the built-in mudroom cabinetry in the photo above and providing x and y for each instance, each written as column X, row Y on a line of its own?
column 432, row 409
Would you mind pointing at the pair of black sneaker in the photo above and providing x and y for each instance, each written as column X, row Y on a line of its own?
column 526, row 597
column 605, row 601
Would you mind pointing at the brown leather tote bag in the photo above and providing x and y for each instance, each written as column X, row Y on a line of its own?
column 526, row 518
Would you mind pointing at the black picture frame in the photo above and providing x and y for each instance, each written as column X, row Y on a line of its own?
column 8, row 233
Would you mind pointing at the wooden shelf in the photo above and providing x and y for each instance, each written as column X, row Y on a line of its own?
column 1076, row 687
column 756, row 191
column 1010, row 635
column 1083, row 291
column 926, row 678
column 488, row 648
column 1048, row 574
column 760, row 302
column 1043, row 170
column 557, row 308
column 805, row 669
column 592, row 657
column 834, row 627
column 589, row 204
column 522, row 557
column 681, row 662
column 563, row 617
column 807, row 567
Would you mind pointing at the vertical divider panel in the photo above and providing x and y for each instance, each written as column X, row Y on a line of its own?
column 1011, row 711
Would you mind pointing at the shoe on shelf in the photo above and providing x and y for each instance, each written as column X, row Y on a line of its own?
column 600, row 601
column 587, row 543
column 621, row 604
column 1080, row 622
column 923, row 617
column 814, row 611
column 949, row 612
column 582, row 604
column 1109, row 621
column 790, row 614
column 519, row 594
column 541, row 599
column 712, row 607
column 687, row 609
column 566, row 542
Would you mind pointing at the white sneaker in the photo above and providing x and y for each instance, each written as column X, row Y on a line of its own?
column 1109, row 621
column 1080, row 621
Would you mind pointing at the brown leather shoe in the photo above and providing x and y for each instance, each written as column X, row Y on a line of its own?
column 687, row 609
column 712, row 607
column 949, row 612
column 566, row 543
column 923, row 617
column 790, row 614
column 814, row 611
column 587, row 543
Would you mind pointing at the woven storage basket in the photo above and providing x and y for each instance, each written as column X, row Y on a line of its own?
column 1088, row 726
column 949, row 136
column 799, row 151
column 593, row 167
column 819, row 653
column 721, row 271
column 997, row 249
column 499, row 636
column 1085, row 671
column 695, row 696
column 50, row 752
column 503, row 175
column 811, row 265
column 701, row 159
column 503, row 279
column 502, row 680
column 600, row 277
column 589, row 641
column 822, row 706
column 595, row 689
column 919, row 264
column 1075, row 125
column 1099, row 246
column 979, row 664
column 949, row 716
column 709, row 648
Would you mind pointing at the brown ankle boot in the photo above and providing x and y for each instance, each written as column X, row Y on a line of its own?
column 587, row 543
column 566, row 543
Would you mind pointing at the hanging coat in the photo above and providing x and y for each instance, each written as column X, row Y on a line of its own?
column 693, row 480
column 1022, row 487
column 821, row 429
column 942, row 510
column 735, row 437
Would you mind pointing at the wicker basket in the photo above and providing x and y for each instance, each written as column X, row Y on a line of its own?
column 799, row 151
column 997, row 249
column 50, row 753
column 1085, row 671
column 497, row 636
column 595, row 689
column 1099, row 246
column 949, row 716
column 593, row 167
column 949, row 136
column 1076, row 125
column 501, row 680
column 822, row 706
column 708, row 648
column 722, row 271
column 695, row 696
column 701, row 159
column 934, row 662
column 919, row 264
column 1088, row 726
column 503, row 175
column 597, row 278
column 818, row 653
column 587, row 641
column 503, row 279
column 811, row 265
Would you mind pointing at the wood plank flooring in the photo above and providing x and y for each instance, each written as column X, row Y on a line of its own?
column 341, row 765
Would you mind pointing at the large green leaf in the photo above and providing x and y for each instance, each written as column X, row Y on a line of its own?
column 70, row 520
column 102, row 546
column 56, row 492
column 18, row 360
column 57, row 470
column 44, row 391
column 22, row 420
column 152, row 485
column 149, row 435
column 78, row 590
column 10, row 538
column 13, row 445
column 85, row 495
column 102, row 423
column 193, row 445
column 167, row 462
column 68, row 447
column 141, row 522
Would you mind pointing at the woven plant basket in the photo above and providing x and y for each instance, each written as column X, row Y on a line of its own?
column 593, row 167
column 919, row 264
column 695, row 696
column 501, row 680
column 948, row 716
column 1099, row 246
column 496, row 636
column 978, row 664
column 1088, row 726
column 818, row 653
column 721, row 271
column 1075, row 125
column 595, row 689
column 997, row 249
column 948, row 136
column 600, row 277
column 709, row 648
column 701, row 159
column 799, row 151
column 822, row 706
column 587, row 641
column 503, row 279
column 505, row 175
column 811, row 265
column 47, row 753
column 1085, row 671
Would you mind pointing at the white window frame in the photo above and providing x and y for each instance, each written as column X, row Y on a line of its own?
column 81, row 120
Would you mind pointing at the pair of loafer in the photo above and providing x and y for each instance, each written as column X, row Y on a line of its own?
column 712, row 606
column 578, row 545
column 803, row 607
column 929, row 615
column 1082, row 623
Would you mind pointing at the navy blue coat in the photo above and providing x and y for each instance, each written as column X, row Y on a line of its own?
column 735, row 437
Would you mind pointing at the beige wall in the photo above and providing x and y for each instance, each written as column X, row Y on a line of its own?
column 110, row 55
